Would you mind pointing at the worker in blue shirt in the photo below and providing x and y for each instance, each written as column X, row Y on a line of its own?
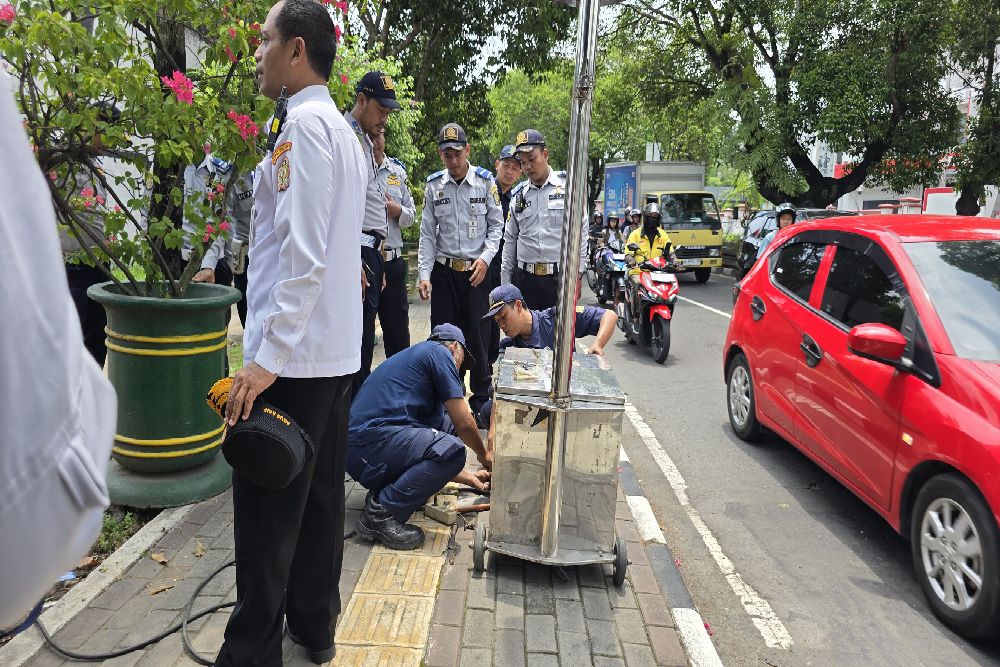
column 537, row 329
column 408, row 432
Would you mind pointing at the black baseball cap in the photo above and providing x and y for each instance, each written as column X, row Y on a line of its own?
column 379, row 87
column 452, row 136
column 501, row 296
column 507, row 153
column 528, row 140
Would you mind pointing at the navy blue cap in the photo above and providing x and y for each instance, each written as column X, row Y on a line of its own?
column 446, row 332
column 452, row 136
column 507, row 152
column 528, row 140
column 500, row 297
column 380, row 87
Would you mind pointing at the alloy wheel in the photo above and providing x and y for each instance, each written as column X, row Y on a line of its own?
column 952, row 554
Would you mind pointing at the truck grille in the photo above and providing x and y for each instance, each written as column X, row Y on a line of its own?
column 691, row 252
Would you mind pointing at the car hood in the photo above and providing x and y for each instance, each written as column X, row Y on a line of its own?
column 990, row 370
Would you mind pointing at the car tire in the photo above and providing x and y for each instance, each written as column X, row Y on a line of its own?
column 953, row 535
column 741, row 400
column 702, row 275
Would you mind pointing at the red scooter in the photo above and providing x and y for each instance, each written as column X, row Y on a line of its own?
column 649, row 306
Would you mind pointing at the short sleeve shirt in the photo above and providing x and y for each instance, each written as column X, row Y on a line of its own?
column 408, row 389
column 543, row 328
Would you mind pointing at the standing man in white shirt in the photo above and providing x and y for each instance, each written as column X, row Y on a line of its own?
column 393, row 306
column 302, row 345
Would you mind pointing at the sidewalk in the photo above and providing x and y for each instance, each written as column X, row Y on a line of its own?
column 405, row 609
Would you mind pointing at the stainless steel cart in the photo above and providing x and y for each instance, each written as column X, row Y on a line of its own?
column 588, row 469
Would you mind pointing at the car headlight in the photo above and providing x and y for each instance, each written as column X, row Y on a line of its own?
column 714, row 252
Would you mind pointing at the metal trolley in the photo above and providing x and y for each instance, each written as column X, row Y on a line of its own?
column 584, row 479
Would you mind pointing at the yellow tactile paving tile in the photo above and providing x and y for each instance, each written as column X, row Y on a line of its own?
column 400, row 574
column 386, row 620
column 377, row 656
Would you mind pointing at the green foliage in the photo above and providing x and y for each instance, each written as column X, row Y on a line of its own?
column 117, row 527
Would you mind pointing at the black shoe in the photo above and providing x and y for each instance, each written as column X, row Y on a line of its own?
column 317, row 657
column 377, row 524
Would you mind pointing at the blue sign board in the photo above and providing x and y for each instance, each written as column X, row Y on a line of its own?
column 619, row 188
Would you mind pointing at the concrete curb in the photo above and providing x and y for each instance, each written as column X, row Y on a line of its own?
column 687, row 621
column 23, row 647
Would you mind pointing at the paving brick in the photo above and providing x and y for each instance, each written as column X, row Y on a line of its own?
column 104, row 640
column 127, row 660
column 478, row 628
column 622, row 596
column 569, row 616
column 667, row 647
column 509, row 650
column 654, row 610
column 82, row 627
column 542, row 660
column 622, row 512
column 209, row 639
column 567, row 590
column 604, row 661
column 538, row 597
column 47, row 658
column 482, row 592
column 131, row 611
column 476, row 657
column 591, row 575
column 215, row 526
column 510, row 580
column 603, row 638
column 152, row 624
column 643, row 579
column 596, row 603
column 202, row 512
column 164, row 652
column 639, row 655
column 630, row 625
column 537, row 575
column 541, row 633
column 510, row 612
column 177, row 536
column 455, row 577
column 636, row 553
column 449, row 607
column 628, row 531
column 574, row 649
column 117, row 594
column 443, row 646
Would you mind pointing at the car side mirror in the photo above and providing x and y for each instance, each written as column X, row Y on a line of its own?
column 878, row 342
column 633, row 246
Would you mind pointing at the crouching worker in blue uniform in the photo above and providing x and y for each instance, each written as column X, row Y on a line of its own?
column 410, row 425
column 536, row 329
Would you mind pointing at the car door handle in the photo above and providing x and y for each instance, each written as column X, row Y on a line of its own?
column 811, row 350
column 757, row 308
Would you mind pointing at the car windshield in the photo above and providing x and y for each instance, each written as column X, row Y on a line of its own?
column 963, row 281
column 689, row 211
column 759, row 222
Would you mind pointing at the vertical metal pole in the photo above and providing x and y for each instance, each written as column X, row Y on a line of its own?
column 576, row 193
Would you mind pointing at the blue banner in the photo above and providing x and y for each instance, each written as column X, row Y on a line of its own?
column 619, row 188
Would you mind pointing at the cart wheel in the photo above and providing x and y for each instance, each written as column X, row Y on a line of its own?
column 479, row 546
column 621, row 562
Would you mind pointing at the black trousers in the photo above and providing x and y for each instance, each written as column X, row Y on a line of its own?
column 290, row 542
column 372, row 258
column 394, row 308
column 455, row 301
column 493, row 278
column 93, row 319
column 240, row 283
column 540, row 292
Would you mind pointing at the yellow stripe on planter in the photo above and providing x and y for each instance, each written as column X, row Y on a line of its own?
column 166, row 455
column 166, row 442
column 148, row 352
column 165, row 339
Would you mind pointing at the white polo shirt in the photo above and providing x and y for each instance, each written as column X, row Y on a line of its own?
column 303, row 283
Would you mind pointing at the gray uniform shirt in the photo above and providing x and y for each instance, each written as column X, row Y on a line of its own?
column 392, row 178
column 199, row 181
column 239, row 206
column 375, row 219
column 82, row 179
column 534, row 230
column 460, row 220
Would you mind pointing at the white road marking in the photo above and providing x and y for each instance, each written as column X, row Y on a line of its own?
column 694, row 637
column 645, row 520
column 622, row 456
column 701, row 305
column 771, row 628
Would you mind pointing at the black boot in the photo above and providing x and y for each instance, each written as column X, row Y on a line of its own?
column 377, row 524
column 317, row 657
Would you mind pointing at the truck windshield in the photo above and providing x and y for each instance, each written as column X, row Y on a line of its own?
column 689, row 211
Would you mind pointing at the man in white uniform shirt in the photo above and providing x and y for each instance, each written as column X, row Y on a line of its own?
column 302, row 345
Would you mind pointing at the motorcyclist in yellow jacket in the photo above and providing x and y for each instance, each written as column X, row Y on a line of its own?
column 652, row 242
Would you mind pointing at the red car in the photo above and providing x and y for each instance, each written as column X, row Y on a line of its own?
column 872, row 344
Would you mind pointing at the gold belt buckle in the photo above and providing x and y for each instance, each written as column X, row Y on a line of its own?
column 458, row 264
column 540, row 269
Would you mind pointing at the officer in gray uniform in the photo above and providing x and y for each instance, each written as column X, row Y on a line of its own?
column 375, row 99
column 533, row 235
column 459, row 236
column 393, row 307
column 239, row 206
column 201, row 181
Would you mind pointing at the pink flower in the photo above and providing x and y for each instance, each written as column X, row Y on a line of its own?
column 100, row 200
column 211, row 196
column 117, row 208
column 255, row 26
column 220, row 188
column 87, row 203
column 87, row 192
column 206, row 238
column 224, row 226
column 207, row 148
column 342, row 6
column 209, row 229
column 7, row 13
column 343, row 78
column 52, row 175
column 230, row 55
column 246, row 126
column 182, row 86
column 232, row 33
column 337, row 32
column 112, row 238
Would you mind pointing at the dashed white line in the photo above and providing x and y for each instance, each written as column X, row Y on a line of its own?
column 771, row 629
column 709, row 308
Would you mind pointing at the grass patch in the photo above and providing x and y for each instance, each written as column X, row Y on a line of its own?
column 137, row 271
column 235, row 352
column 119, row 525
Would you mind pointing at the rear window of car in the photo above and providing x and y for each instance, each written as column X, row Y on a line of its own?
column 797, row 266
column 858, row 291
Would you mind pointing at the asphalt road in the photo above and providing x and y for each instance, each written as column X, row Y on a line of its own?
column 837, row 577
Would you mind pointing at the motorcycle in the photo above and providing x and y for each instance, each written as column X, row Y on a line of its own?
column 611, row 274
column 648, row 308
column 594, row 248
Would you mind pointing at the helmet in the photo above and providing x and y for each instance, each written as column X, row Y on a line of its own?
column 613, row 214
column 651, row 212
column 634, row 212
column 784, row 208
column 597, row 215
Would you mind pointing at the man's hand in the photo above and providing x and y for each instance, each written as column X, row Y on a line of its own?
column 597, row 349
column 424, row 287
column 479, row 480
column 392, row 207
column 479, row 269
column 487, row 460
column 204, row 276
column 248, row 383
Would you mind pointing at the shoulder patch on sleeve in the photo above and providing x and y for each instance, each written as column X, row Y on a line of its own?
column 518, row 187
column 484, row 173
column 284, row 175
column 279, row 151
column 436, row 174
column 398, row 164
column 221, row 165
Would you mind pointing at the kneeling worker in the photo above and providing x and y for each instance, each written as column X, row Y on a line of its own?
column 409, row 429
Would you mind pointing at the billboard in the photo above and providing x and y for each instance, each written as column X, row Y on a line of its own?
column 619, row 187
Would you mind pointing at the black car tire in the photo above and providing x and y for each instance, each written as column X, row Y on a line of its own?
column 749, row 429
column 982, row 619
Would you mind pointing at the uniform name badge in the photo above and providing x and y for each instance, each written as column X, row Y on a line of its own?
column 473, row 230
column 557, row 204
column 478, row 208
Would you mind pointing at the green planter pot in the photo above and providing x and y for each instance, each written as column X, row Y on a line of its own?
column 163, row 356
